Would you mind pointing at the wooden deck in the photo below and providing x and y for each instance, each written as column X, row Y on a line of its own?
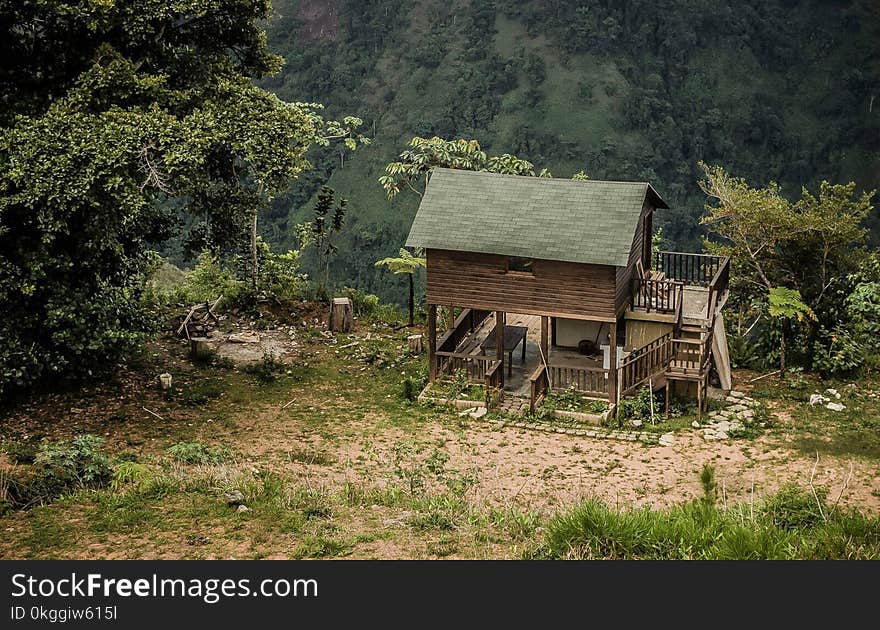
column 517, row 384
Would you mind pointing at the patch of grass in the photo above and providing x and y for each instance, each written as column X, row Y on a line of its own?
column 789, row 525
column 202, row 392
column 310, row 456
column 322, row 547
column 22, row 453
column 198, row 453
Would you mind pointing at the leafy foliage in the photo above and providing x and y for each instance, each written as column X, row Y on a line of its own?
column 775, row 90
column 119, row 115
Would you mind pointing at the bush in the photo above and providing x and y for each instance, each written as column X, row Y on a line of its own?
column 198, row 453
column 59, row 468
column 638, row 407
column 837, row 352
column 79, row 463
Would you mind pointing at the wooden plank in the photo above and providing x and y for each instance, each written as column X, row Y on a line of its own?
column 432, row 342
column 480, row 281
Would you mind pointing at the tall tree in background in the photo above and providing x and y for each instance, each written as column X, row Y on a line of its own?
column 408, row 264
column 414, row 165
column 326, row 224
column 112, row 112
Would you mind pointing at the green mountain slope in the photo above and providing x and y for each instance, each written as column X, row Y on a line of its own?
column 772, row 89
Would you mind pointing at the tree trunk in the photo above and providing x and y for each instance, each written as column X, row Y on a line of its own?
column 782, row 354
column 341, row 315
column 412, row 300
column 254, row 263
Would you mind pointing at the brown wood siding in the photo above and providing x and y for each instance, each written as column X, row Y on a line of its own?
column 558, row 289
column 625, row 275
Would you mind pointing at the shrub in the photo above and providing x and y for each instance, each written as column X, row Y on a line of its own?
column 837, row 352
column 59, row 468
column 638, row 406
column 79, row 463
column 198, row 453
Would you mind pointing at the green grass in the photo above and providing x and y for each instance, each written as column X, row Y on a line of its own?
column 789, row 525
column 854, row 431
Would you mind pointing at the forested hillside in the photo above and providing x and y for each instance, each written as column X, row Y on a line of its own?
column 771, row 89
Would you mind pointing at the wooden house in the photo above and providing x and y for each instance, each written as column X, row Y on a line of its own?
column 551, row 283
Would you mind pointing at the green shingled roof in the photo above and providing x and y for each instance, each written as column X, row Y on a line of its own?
column 553, row 219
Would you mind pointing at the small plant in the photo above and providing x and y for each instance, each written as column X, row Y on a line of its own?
column 710, row 485
column 79, row 463
column 198, row 453
column 639, row 407
column 129, row 474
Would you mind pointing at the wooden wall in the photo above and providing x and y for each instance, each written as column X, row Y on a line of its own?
column 558, row 289
column 625, row 275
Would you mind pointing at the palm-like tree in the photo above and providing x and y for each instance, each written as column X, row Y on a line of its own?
column 409, row 264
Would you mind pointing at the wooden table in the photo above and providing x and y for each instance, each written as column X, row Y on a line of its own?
column 513, row 336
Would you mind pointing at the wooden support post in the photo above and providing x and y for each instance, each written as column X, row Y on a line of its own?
column 499, row 342
column 668, row 398
column 544, row 346
column 699, row 400
column 450, row 317
column 432, row 342
column 612, row 363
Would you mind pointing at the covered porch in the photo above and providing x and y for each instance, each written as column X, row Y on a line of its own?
column 527, row 358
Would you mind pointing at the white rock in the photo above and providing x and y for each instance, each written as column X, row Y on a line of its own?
column 233, row 498
column 667, row 439
column 833, row 406
column 242, row 509
column 721, row 435
column 695, row 424
column 748, row 414
column 817, row 399
column 636, row 423
column 467, row 411
column 736, row 394
column 833, row 392
column 735, row 408
column 479, row 412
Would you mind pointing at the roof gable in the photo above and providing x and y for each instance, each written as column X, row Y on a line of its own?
column 588, row 221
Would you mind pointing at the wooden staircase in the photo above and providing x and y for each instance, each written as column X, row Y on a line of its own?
column 686, row 353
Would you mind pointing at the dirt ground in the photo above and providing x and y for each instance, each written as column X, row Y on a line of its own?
column 336, row 418
column 546, row 471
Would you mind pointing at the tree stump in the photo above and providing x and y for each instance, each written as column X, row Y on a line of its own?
column 415, row 344
column 341, row 315
column 198, row 349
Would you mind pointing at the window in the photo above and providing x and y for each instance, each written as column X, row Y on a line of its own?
column 519, row 265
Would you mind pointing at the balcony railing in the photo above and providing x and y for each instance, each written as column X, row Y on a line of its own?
column 663, row 296
column 693, row 269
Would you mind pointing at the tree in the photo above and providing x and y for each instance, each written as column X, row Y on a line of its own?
column 115, row 114
column 786, row 307
column 415, row 164
column 408, row 264
column 323, row 230
column 796, row 252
